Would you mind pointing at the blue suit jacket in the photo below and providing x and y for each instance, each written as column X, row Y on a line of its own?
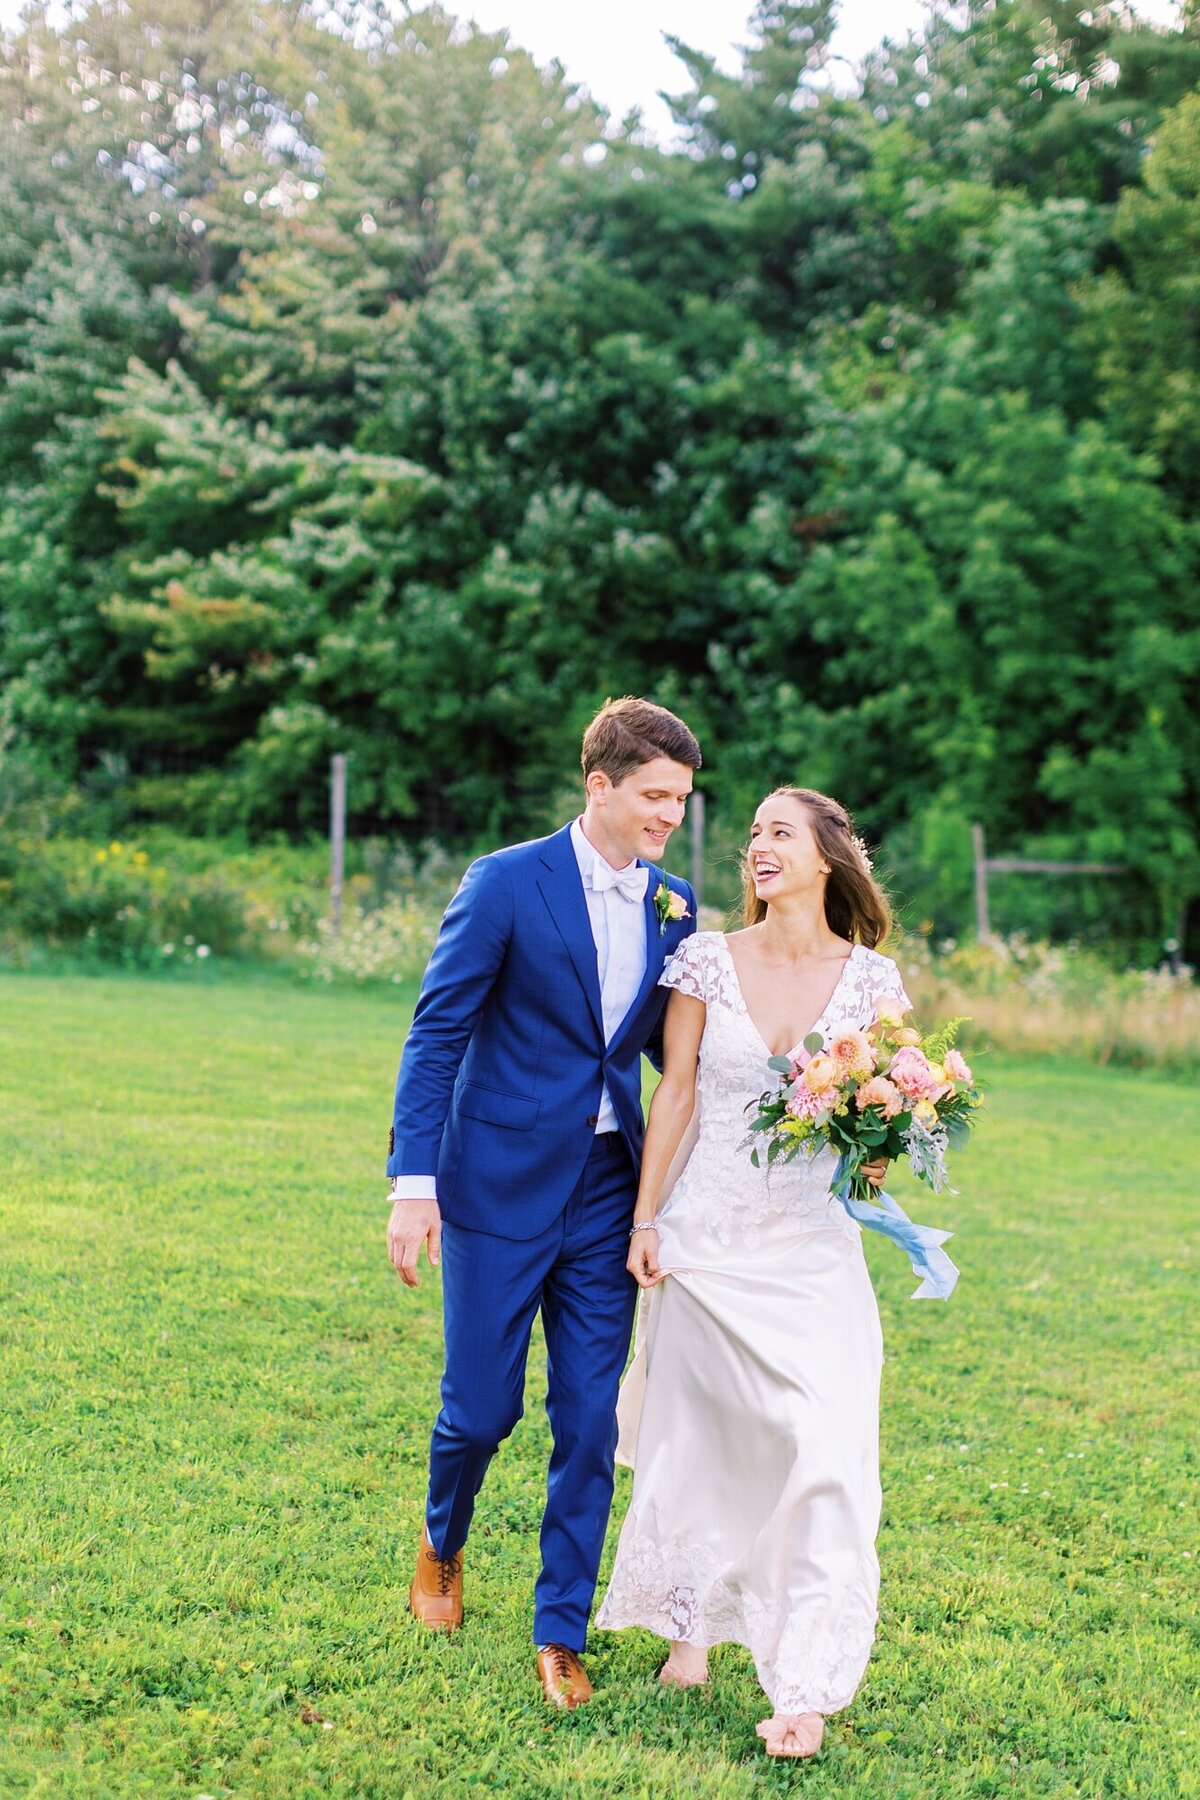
column 501, row 1076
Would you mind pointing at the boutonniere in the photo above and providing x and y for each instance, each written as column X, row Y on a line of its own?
column 669, row 905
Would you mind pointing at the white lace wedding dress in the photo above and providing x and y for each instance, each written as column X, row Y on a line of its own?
column 751, row 1410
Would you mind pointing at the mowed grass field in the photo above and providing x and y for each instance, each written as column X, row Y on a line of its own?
column 216, row 1399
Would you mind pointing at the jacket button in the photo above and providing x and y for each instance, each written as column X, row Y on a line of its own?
column 593, row 1119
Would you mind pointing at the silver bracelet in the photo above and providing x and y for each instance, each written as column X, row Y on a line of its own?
column 646, row 1225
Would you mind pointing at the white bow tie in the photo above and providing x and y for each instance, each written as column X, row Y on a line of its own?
column 630, row 883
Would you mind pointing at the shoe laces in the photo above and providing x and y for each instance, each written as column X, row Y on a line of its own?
column 564, row 1661
column 448, row 1570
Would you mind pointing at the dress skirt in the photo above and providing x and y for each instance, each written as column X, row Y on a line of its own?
column 750, row 1415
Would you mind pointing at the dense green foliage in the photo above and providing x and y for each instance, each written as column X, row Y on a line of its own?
column 218, row 1399
column 363, row 390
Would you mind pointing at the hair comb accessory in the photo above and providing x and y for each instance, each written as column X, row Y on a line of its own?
column 863, row 852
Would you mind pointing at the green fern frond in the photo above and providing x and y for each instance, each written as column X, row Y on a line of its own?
column 938, row 1042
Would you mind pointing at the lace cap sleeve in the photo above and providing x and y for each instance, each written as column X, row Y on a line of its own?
column 889, row 984
column 689, row 968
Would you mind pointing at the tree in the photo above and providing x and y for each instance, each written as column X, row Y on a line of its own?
column 1142, row 331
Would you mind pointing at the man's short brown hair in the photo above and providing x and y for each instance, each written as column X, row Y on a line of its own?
column 629, row 732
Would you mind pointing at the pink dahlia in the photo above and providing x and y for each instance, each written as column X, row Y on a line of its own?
column 804, row 1104
column 852, row 1051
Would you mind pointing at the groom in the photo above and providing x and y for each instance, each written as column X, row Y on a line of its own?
column 515, row 1151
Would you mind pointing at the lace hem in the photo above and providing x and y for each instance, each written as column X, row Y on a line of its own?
column 806, row 1660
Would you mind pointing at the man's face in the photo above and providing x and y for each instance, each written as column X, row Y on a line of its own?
column 637, row 817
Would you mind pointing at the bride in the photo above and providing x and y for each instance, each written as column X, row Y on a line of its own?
column 756, row 1488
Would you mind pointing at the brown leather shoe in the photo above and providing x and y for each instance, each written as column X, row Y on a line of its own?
column 435, row 1598
column 563, row 1678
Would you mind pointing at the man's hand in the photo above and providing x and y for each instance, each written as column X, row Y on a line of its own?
column 413, row 1223
column 876, row 1172
column 642, row 1261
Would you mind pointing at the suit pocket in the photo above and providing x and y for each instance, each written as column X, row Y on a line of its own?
column 516, row 1111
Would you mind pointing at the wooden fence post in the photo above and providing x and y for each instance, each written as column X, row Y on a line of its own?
column 337, row 839
column 1021, row 865
column 982, row 925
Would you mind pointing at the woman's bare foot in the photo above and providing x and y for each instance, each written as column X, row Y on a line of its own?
column 685, row 1667
column 792, row 1734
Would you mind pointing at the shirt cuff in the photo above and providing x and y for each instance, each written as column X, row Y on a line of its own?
column 414, row 1187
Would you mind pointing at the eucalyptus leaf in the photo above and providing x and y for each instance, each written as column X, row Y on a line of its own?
column 814, row 1042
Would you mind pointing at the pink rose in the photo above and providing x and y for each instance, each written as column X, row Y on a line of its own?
column 882, row 1093
column 912, row 1074
column 955, row 1067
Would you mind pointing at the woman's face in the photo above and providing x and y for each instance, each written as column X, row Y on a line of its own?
column 784, row 857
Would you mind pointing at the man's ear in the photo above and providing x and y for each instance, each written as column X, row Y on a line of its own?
column 598, row 786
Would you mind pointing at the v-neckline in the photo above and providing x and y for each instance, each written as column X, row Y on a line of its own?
column 749, row 1016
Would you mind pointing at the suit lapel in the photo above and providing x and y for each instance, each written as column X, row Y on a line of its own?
column 562, row 889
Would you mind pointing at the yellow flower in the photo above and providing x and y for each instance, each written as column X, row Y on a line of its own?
column 925, row 1111
column 908, row 1037
column 676, row 906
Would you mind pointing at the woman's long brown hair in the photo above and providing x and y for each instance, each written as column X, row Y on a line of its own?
column 856, row 906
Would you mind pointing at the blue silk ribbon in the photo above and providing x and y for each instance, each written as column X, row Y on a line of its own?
column 920, row 1243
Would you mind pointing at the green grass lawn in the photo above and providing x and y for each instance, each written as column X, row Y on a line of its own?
column 217, row 1397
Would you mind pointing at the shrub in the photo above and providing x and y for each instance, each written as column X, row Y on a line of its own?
column 1058, row 999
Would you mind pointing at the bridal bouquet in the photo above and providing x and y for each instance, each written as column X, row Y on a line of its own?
column 883, row 1092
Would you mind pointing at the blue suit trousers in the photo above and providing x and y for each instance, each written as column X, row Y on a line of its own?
column 574, row 1273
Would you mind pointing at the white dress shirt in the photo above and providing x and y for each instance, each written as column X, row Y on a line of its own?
column 619, row 930
column 618, row 926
